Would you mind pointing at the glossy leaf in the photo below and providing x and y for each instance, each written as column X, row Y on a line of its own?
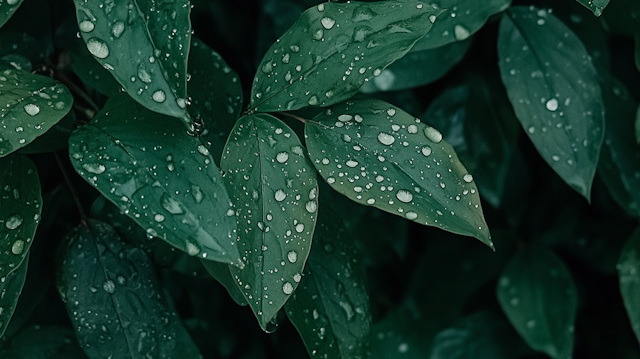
column 7, row 8
column 55, row 139
column 462, row 19
column 334, row 48
column 274, row 188
column 378, row 155
column 113, row 297
column 145, row 45
column 596, row 6
column 29, row 105
column 20, row 209
column 539, row 297
column 92, row 73
column 158, row 175
column 629, row 274
column 10, row 288
column 43, row 342
column 330, row 308
column 554, row 90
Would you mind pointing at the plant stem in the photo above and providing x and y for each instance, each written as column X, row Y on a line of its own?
column 293, row 116
column 83, row 217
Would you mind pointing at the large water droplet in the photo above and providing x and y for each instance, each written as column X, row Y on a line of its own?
column 426, row 151
column 292, row 256
column 411, row 215
column 352, row 163
column 287, row 288
column 109, row 286
column 158, row 218
column 86, row 26
column 280, row 195
column 327, row 22
column 311, row 206
column 192, row 249
column 31, row 109
column 171, row 205
column 197, row 193
column 17, row 247
column 552, row 104
column 117, row 29
column 363, row 13
column 467, row 178
column 98, row 48
column 386, row 139
column 282, row 157
column 143, row 75
column 313, row 100
column 159, row 96
column 461, row 32
column 404, row 196
column 95, row 168
column 432, row 134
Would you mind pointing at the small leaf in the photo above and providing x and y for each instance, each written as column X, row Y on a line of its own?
column 333, row 49
column 7, row 8
column 554, row 90
column 29, row 105
column 20, row 210
column 43, row 342
column 539, row 297
column 330, row 308
column 113, row 297
column 378, row 155
column 158, row 175
column 274, row 188
column 145, row 45
column 10, row 289
column 596, row 6
column 629, row 274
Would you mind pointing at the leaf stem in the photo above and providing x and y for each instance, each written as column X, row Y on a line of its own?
column 83, row 217
column 293, row 116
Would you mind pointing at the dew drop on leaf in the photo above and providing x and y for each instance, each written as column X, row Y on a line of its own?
column 287, row 288
column 433, row 135
column 95, row 168
column 292, row 256
column 467, row 178
column 404, row 196
column 86, row 26
column 552, row 104
column 109, row 286
column 386, row 139
column 31, row 109
column 461, row 32
column 98, row 48
column 17, row 247
column 159, row 96
column 280, row 195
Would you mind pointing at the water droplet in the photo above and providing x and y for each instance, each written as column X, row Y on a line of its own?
column 109, row 286
column 311, row 206
column 171, row 205
column 531, row 130
column 377, row 72
column 98, row 48
column 386, row 139
column 404, row 196
column 86, row 26
column 117, row 29
column 297, row 277
column 531, row 324
column 320, row 7
column 158, row 217
column 432, row 134
column 280, row 195
column 432, row 18
column 461, row 32
column 95, row 168
column 412, row 129
column 327, row 22
column 192, row 249
column 426, row 151
column 391, row 111
column 467, row 178
column 196, row 193
column 345, row 118
column 287, row 288
column 313, row 100
column 318, row 34
column 411, row 215
column 292, row 256
column 159, row 96
column 143, row 75
column 17, row 247
column 267, row 67
column 299, row 227
column 31, row 109
column 282, row 157
column 352, row 163
column 552, row 104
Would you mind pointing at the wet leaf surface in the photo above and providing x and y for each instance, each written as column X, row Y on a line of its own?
column 10, row 288
column 596, row 6
column 7, row 8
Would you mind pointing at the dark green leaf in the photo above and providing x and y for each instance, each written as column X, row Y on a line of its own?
column 275, row 191
column 157, row 174
column 92, row 73
column 330, row 308
column 629, row 272
column 538, row 295
column 216, row 96
column 145, row 44
column 30, row 104
column 596, row 6
column 186, row 348
column 56, row 139
column 462, row 19
column 222, row 273
column 378, row 155
column 7, row 8
column 10, row 289
column 334, row 48
column 20, row 209
column 113, row 297
column 43, row 342
column 623, row 17
column 17, row 43
column 418, row 68
column 554, row 90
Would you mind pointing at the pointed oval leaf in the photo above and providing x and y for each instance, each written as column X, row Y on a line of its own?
column 112, row 295
column 274, row 188
column 43, row 342
column 20, row 209
column 629, row 274
column 539, row 297
column 554, row 90
column 158, row 175
column 145, row 44
column 7, row 8
column 596, row 6
column 378, row 155
column 29, row 106
column 330, row 308
column 334, row 48
column 10, row 288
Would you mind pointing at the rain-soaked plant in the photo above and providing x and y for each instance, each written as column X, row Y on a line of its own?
column 304, row 192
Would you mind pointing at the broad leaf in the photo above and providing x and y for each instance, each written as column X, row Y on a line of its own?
column 20, row 209
column 158, row 175
column 378, row 155
column 596, row 6
column 554, row 90
column 21, row 44
column 334, row 48
column 539, row 297
column 55, row 139
column 29, row 105
column 273, row 186
column 462, row 19
column 43, row 342
column 92, row 73
column 10, row 288
column 113, row 297
column 330, row 308
column 145, row 45
column 7, row 8
column 222, row 273
column 629, row 274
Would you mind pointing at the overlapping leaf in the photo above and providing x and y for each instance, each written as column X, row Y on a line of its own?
column 145, row 45
column 330, row 308
column 158, row 175
column 334, row 48
column 378, row 155
column 539, row 297
column 10, row 288
column 596, row 6
column 29, row 105
column 554, row 90
column 20, row 209
column 113, row 297
column 629, row 274
column 222, row 273
column 7, row 8
column 273, row 186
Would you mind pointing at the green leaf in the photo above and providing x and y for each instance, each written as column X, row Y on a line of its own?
column 55, row 139
column 43, row 342
column 18, row 43
column 216, row 95
column 92, row 73
column 222, row 273
column 113, row 297
column 418, row 68
column 158, row 175
column 554, row 90
column 401, row 335
column 333, row 49
column 622, row 17
column 30, row 105
column 629, row 274
column 7, row 8
column 378, row 155
column 596, row 6
column 145, row 45
column 330, row 308
column 462, row 19
column 10, row 288
column 274, row 188
column 20, row 209
column 539, row 297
